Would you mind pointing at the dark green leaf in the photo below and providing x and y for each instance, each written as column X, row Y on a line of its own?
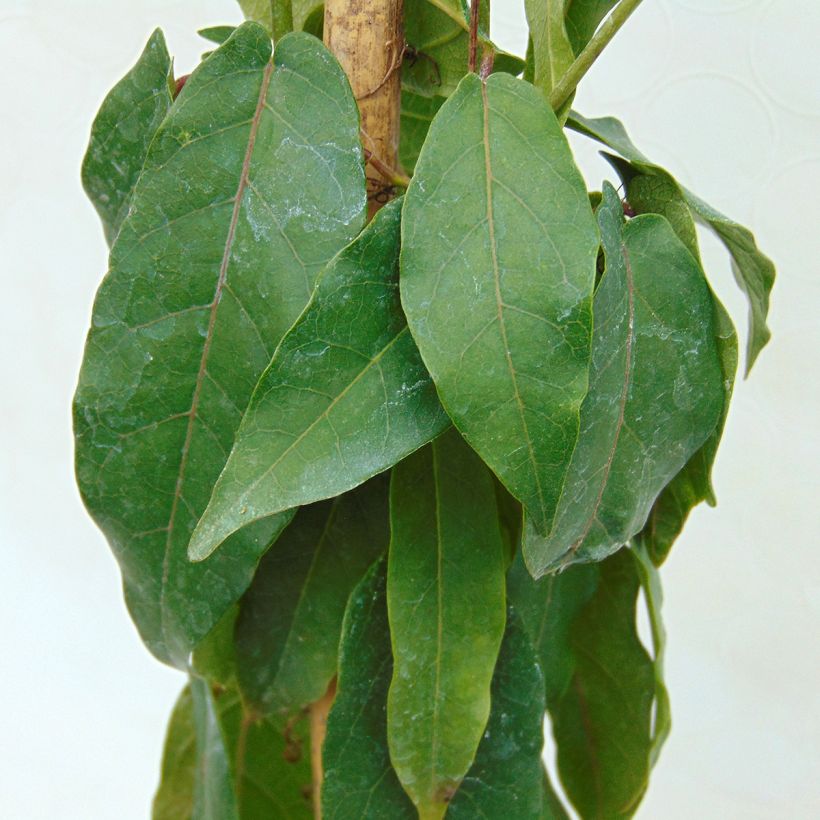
column 507, row 778
column 359, row 781
column 345, row 397
column 275, row 15
column 290, row 618
column 498, row 264
column 655, row 391
column 417, row 113
column 652, row 190
column 602, row 723
column 582, row 18
column 552, row 52
column 437, row 32
column 216, row 34
column 445, row 595
column 123, row 128
column 754, row 272
column 254, row 180
column 174, row 799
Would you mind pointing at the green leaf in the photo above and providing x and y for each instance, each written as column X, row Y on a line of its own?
column 445, row 596
column 602, row 723
column 417, row 113
column 174, row 799
column 498, row 263
column 243, row 199
column 582, row 18
column 290, row 619
column 552, row 52
column 345, row 397
column 123, row 128
column 359, row 781
column 275, row 15
column 507, row 778
column 655, row 390
column 754, row 272
column 437, row 33
column 216, row 34
column 652, row 190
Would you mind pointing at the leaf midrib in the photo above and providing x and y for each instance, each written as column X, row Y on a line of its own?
column 220, row 284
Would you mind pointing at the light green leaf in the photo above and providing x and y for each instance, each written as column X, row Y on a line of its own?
column 123, row 128
column 655, row 391
column 498, row 263
column 754, row 272
column 290, row 619
column 437, row 33
column 582, row 18
column 602, row 723
column 275, row 15
column 174, row 799
column 552, row 52
column 345, row 397
column 359, row 781
column 445, row 596
column 417, row 113
column 652, row 190
column 507, row 778
column 243, row 199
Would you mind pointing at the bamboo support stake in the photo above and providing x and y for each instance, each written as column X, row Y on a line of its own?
column 367, row 38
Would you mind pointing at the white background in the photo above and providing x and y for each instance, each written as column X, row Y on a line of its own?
column 725, row 93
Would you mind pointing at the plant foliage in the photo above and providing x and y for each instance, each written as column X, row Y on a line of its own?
column 434, row 461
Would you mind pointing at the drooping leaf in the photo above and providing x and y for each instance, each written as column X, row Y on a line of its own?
column 653, row 595
column 437, row 34
column 499, row 247
column 345, row 397
column 360, row 783
column 174, row 799
column 417, row 113
column 507, row 777
column 359, row 780
column 602, row 722
column 754, row 272
column 123, row 128
column 652, row 190
column 445, row 596
column 582, row 18
column 275, row 15
column 290, row 619
column 655, row 390
column 552, row 52
column 244, row 197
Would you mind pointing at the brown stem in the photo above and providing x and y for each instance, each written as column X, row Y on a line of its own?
column 368, row 40
column 319, row 711
column 472, row 58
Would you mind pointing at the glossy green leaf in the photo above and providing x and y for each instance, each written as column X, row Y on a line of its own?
column 123, row 128
column 437, row 33
column 754, row 272
column 652, row 190
column 359, row 780
column 552, row 52
column 360, row 783
column 602, row 723
column 244, row 197
column 507, row 778
column 498, row 263
column 275, row 15
column 290, row 619
column 174, row 799
column 345, row 397
column 417, row 113
column 655, row 390
column 445, row 595
column 582, row 18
